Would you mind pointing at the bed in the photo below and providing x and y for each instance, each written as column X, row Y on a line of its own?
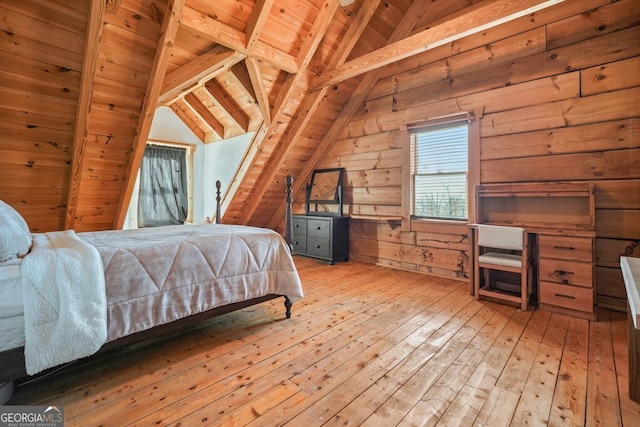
column 141, row 281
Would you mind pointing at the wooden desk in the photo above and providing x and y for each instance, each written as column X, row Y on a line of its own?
column 631, row 274
column 561, row 219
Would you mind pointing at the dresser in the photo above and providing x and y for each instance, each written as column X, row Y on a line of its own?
column 322, row 237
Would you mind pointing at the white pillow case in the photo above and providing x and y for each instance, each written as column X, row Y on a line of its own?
column 15, row 236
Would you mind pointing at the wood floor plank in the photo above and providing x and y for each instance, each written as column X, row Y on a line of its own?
column 499, row 408
column 516, row 372
column 603, row 405
column 358, row 394
column 537, row 395
column 451, row 409
column 368, row 345
column 410, row 379
column 569, row 398
column 476, row 391
column 629, row 409
column 433, row 404
column 425, row 311
column 248, row 338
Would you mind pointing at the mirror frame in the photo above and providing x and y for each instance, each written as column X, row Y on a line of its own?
column 336, row 200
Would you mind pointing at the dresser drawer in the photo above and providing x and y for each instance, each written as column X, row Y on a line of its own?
column 320, row 248
column 299, row 226
column 319, row 228
column 566, row 272
column 299, row 244
column 571, row 297
column 571, row 248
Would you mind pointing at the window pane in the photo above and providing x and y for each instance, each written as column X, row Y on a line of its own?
column 440, row 171
column 441, row 196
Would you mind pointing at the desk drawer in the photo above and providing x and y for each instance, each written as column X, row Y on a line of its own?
column 570, row 297
column 319, row 228
column 571, row 248
column 566, row 272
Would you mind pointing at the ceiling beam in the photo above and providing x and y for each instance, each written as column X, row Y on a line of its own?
column 205, row 67
column 317, row 32
column 257, row 21
column 260, row 92
column 196, row 104
column 214, row 30
column 226, row 101
column 245, row 163
column 238, row 78
column 241, row 74
column 487, row 14
column 193, row 121
column 314, row 37
column 89, row 67
column 170, row 25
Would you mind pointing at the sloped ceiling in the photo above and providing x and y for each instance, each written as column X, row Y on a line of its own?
column 293, row 71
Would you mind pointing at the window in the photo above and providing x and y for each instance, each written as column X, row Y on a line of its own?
column 441, row 170
column 162, row 199
column 439, row 166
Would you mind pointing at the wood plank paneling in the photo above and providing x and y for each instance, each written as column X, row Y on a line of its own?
column 578, row 111
column 596, row 137
column 41, row 47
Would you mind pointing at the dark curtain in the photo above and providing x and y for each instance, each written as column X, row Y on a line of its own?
column 163, row 187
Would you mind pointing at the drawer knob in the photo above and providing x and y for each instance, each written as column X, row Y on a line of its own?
column 317, row 246
column 318, row 228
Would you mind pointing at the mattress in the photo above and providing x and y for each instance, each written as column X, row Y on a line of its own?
column 176, row 271
column 11, row 308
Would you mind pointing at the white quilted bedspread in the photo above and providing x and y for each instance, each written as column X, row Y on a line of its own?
column 156, row 275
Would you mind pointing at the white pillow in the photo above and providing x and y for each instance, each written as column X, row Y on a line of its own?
column 15, row 236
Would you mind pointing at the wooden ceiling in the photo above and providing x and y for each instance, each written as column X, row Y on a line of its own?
column 293, row 71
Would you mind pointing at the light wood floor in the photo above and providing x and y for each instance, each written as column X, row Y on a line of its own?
column 366, row 346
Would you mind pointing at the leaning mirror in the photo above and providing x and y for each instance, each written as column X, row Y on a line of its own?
column 325, row 189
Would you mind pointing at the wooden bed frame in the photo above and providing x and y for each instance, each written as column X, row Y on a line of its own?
column 12, row 362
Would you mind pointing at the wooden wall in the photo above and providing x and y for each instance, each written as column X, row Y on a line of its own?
column 73, row 80
column 558, row 99
column 42, row 53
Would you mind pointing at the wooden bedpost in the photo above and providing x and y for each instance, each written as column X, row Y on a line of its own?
column 287, row 305
column 218, row 198
column 288, row 219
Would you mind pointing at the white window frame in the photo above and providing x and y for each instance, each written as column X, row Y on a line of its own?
column 131, row 220
column 409, row 221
